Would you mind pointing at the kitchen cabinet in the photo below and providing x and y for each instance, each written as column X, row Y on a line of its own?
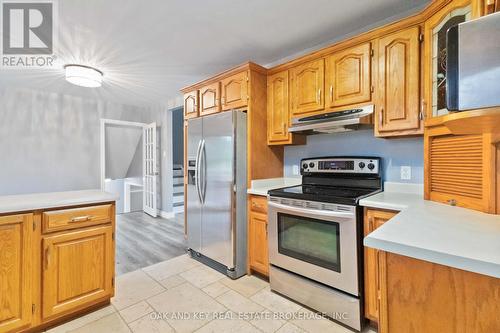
column 398, row 109
column 210, row 99
column 373, row 263
column 78, row 268
column 16, row 272
column 234, row 91
column 308, row 87
column 348, row 76
column 257, row 235
column 278, row 112
column 191, row 104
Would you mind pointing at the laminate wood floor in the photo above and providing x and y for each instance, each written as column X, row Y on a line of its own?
column 142, row 240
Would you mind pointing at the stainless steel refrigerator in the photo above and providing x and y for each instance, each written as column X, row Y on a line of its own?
column 216, row 191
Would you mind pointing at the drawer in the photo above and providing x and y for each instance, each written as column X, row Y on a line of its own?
column 74, row 218
column 258, row 204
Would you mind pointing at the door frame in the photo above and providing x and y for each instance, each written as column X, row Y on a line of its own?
column 102, row 143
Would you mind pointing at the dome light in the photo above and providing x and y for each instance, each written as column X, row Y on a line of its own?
column 84, row 76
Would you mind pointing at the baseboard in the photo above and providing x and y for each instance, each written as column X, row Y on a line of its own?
column 166, row 215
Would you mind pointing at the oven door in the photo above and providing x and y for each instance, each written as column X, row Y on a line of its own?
column 315, row 240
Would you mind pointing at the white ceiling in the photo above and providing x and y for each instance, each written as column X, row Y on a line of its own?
column 149, row 49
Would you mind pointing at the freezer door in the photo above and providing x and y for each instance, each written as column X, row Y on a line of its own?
column 193, row 197
column 217, row 160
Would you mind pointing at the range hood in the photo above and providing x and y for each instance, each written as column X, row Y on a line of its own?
column 332, row 122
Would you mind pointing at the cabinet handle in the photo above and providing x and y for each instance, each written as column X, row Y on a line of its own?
column 370, row 224
column 319, row 96
column 381, row 116
column 422, row 109
column 47, row 257
column 283, row 129
column 223, row 101
column 331, row 93
column 81, row 219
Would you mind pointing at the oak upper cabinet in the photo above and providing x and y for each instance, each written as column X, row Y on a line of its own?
column 348, row 76
column 16, row 276
column 308, row 87
column 257, row 235
column 398, row 109
column 191, row 105
column 234, row 91
column 78, row 268
column 210, row 99
column 373, row 219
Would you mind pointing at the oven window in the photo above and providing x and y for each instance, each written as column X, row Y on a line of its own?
column 311, row 240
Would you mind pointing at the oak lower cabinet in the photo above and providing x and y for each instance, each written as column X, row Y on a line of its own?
column 258, row 253
column 234, row 91
column 398, row 111
column 16, row 272
column 348, row 76
column 372, row 263
column 55, row 264
column 278, row 112
column 78, row 269
column 308, row 87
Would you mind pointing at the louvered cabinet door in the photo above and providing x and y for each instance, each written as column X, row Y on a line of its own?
column 460, row 170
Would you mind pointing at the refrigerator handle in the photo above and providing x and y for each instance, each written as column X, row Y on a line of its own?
column 197, row 171
column 203, row 157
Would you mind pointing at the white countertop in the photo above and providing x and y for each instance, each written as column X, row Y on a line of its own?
column 442, row 234
column 261, row 186
column 28, row 202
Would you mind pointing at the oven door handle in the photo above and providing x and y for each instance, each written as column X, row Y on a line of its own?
column 317, row 212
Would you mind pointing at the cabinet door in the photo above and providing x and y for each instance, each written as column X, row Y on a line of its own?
column 209, row 99
column 16, row 276
column 235, row 91
column 191, row 105
column 399, row 84
column 259, row 255
column 348, row 76
column 277, row 108
column 308, row 87
column 77, row 270
column 373, row 219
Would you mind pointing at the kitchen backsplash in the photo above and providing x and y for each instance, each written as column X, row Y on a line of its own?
column 394, row 152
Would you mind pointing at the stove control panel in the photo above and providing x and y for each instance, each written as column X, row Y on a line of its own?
column 361, row 165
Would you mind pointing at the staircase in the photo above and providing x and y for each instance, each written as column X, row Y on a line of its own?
column 178, row 196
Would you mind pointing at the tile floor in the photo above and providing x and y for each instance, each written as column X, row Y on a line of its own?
column 164, row 298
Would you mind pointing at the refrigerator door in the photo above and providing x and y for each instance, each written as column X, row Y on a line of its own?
column 193, row 197
column 217, row 179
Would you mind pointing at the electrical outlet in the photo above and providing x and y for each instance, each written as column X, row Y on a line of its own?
column 405, row 172
column 295, row 170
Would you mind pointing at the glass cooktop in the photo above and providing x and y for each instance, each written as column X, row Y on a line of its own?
column 330, row 194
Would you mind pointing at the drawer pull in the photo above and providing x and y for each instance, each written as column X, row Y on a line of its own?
column 81, row 218
column 47, row 257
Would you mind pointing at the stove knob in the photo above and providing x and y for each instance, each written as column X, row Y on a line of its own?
column 311, row 165
column 371, row 166
column 304, row 166
column 361, row 165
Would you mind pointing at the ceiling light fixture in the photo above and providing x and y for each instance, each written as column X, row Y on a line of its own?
column 84, row 76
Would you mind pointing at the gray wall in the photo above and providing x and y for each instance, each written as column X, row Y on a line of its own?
column 50, row 142
column 178, row 136
column 395, row 152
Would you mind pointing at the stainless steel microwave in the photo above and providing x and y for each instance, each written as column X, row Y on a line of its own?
column 473, row 64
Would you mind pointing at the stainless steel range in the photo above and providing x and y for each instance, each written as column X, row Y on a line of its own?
column 315, row 235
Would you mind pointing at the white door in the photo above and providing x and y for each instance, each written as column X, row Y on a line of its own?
column 150, row 170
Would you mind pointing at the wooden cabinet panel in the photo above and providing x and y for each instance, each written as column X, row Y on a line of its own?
column 209, row 99
column 308, row 87
column 77, row 269
column 73, row 218
column 234, row 91
column 277, row 108
column 399, row 84
column 373, row 219
column 16, row 275
column 348, row 76
column 259, row 255
column 191, row 105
